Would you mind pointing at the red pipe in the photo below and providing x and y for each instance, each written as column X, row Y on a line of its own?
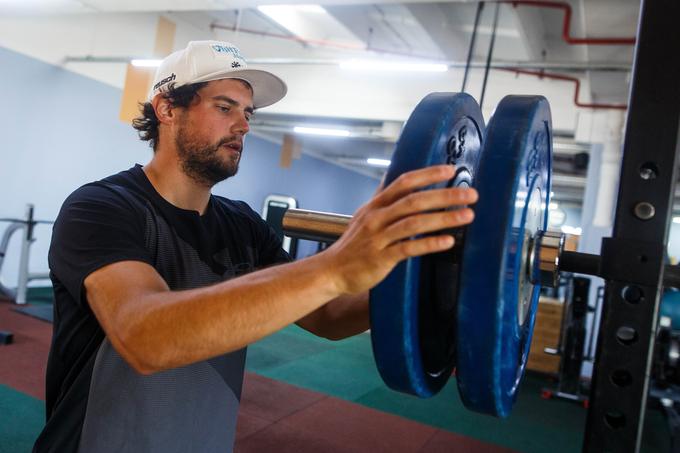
column 566, row 36
column 567, row 78
column 566, row 26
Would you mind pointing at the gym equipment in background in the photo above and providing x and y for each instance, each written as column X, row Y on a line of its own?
column 273, row 209
column 26, row 227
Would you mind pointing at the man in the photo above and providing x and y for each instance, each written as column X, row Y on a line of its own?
column 159, row 285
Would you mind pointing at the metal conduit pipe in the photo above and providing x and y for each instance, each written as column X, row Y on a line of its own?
column 574, row 66
column 516, row 67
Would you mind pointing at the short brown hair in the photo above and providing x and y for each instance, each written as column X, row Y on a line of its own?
column 147, row 123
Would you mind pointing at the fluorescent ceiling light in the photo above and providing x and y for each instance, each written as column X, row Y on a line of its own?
column 321, row 131
column 378, row 162
column 140, row 63
column 486, row 30
column 395, row 66
column 288, row 16
column 676, row 219
column 273, row 10
column 305, row 8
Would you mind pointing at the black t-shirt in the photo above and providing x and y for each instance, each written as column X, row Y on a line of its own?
column 95, row 400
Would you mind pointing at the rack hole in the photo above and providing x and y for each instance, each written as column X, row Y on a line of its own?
column 644, row 210
column 632, row 294
column 642, row 258
column 626, row 335
column 648, row 171
column 615, row 419
column 621, row 378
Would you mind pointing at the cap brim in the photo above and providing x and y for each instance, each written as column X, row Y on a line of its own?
column 267, row 88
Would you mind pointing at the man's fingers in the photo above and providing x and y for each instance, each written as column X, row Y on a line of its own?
column 421, row 202
column 418, row 247
column 430, row 200
column 414, row 180
column 427, row 223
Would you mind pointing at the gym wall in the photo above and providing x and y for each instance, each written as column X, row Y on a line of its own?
column 60, row 130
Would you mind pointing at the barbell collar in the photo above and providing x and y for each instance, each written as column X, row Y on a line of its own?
column 589, row 264
column 314, row 225
column 580, row 263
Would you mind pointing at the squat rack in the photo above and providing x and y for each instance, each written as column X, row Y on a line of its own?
column 633, row 258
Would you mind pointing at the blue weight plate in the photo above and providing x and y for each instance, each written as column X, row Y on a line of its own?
column 497, row 302
column 413, row 310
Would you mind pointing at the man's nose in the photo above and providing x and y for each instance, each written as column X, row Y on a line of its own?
column 242, row 127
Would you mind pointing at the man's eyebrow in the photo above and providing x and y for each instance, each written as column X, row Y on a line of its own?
column 230, row 101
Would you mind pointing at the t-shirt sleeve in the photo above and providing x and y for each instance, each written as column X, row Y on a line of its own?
column 96, row 226
column 272, row 251
column 270, row 247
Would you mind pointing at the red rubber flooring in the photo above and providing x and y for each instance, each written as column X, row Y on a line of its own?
column 23, row 363
column 274, row 416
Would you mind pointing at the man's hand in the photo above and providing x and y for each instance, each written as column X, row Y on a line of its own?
column 383, row 231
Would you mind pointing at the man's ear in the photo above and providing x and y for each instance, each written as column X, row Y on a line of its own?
column 165, row 112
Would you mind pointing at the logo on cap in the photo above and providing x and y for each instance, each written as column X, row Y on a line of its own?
column 219, row 48
column 170, row 78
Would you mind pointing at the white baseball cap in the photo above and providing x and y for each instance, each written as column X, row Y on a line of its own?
column 203, row 61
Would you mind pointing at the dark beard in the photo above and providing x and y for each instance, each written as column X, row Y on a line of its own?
column 201, row 162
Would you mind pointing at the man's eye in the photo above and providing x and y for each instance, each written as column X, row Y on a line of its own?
column 223, row 108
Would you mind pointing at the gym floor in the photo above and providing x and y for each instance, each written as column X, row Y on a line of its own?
column 305, row 394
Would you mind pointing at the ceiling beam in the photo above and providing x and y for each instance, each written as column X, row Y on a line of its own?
column 193, row 5
column 445, row 29
column 530, row 26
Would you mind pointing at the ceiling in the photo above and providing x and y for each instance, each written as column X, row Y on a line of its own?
column 97, row 37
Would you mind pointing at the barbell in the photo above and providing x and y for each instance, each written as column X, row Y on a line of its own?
column 471, row 308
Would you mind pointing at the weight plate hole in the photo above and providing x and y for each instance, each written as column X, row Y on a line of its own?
column 621, row 378
column 626, row 335
column 615, row 419
column 649, row 170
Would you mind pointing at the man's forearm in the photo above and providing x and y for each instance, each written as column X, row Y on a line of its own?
column 154, row 328
column 340, row 318
column 166, row 329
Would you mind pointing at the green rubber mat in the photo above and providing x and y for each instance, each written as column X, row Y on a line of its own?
column 39, row 304
column 22, row 420
column 44, row 312
column 345, row 369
